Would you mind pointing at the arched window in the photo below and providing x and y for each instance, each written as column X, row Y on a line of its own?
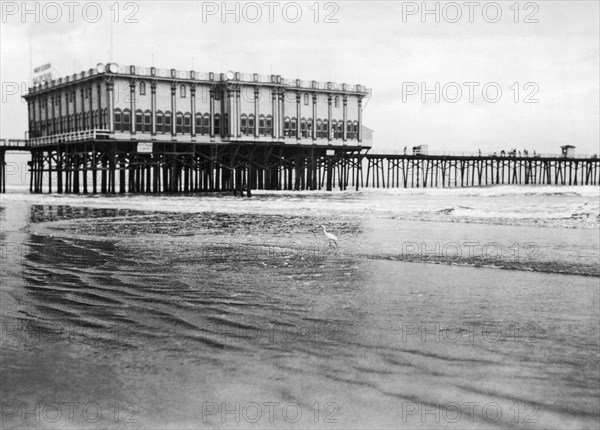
column 167, row 122
column 319, row 128
column 72, row 121
column 217, row 124
column 182, row 91
column 126, row 120
column 306, row 99
column 337, row 101
column 160, row 122
column 244, row 124
column 198, row 123
column 251, row 122
column 269, row 128
column 142, row 88
column 78, row 121
column 96, row 119
column 309, row 127
column 355, row 129
column 148, row 121
column 286, row 126
column 179, row 123
column 303, row 127
column 187, row 123
column 349, row 135
column 139, row 121
column 206, row 124
column 325, row 129
column 262, row 125
column 294, row 126
column 334, row 128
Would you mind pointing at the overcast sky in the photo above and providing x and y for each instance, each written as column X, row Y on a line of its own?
column 554, row 61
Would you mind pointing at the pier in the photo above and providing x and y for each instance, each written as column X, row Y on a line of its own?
column 92, row 162
column 129, row 129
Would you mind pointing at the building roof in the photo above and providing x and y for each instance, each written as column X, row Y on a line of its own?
column 113, row 69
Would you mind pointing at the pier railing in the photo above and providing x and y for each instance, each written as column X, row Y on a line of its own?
column 14, row 143
column 74, row 136
column 383, row 152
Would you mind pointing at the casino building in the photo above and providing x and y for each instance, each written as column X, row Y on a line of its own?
column 141, row 129
column 129, row 103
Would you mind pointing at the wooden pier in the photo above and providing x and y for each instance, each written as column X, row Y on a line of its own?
column 97, row 164
column 409, row 171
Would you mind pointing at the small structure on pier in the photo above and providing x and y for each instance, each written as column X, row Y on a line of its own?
column 568, row 151
column 420, row 150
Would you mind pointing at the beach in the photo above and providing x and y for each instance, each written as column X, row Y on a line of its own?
column 458, row 308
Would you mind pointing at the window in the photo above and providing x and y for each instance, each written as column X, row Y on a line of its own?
column 338, row 129
column 319, row 128
column 167, row 122
column 261, row 125
column 306, row 99
column 337, row 101
column 179, row 123
column 309, row 126
column 139, row 121
column 303, row 128
column 251, row 122
column 206, row 124
column 160, row 121
column 326, row 129
column 286, row 127
column 187, row 123
column 198, row 123
column 244, row 124
column 294, row 126
column 104, row 118
column 355, row 129
column 96, row 119
column 349, row 130
column 148, row 122
column 142, row 88
column 182, row 91
column 217, row 122
column 126, row 120
column 269, row 128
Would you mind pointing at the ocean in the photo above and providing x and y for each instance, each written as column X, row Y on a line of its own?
column 436, row 308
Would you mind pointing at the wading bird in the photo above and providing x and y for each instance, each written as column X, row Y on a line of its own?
column 329, row 235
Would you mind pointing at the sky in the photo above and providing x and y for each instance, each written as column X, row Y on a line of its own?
column 506, row 75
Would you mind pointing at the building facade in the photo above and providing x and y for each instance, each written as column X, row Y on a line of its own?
column 153, row 105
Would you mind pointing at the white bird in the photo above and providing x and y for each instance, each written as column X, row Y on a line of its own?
column 329, row 235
